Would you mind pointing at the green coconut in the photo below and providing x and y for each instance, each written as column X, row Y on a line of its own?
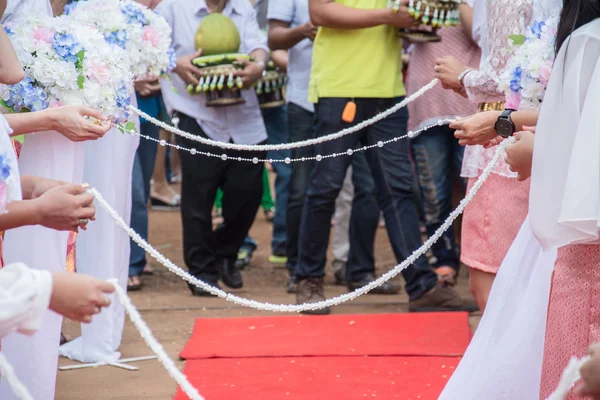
column 217, row 34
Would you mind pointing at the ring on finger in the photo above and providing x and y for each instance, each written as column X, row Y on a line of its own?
column 83, row 221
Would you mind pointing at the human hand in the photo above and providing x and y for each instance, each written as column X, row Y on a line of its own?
column 250, row 73
column 72, row 122
column 519, row 155
column 78, row 297
column 146, row 88
column 308, row 30
column 65, row 208
column 447, row 70
column 476, row 129
column 188, row 71
column 42, row 185
column 401, row 18
column 590, row 374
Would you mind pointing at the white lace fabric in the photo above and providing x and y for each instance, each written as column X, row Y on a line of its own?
column 503, row 18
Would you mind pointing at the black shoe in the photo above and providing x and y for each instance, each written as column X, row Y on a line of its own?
column 387, row 288
column 196, row 291
column 230, row 275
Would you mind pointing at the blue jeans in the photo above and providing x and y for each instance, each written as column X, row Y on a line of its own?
column 365, row 210
column 438, row 158
column 393, row 175
column 249, row 245
column 276, row 122
column 143, row 166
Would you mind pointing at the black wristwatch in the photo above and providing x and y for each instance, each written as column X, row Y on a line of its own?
column 504, row 125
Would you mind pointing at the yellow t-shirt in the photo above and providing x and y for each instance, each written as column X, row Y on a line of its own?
column 357, row 63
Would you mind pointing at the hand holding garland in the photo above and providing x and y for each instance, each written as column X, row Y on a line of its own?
column 479, row 128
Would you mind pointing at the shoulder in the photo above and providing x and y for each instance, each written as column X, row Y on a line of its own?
column 244, row 7
column 591, row 30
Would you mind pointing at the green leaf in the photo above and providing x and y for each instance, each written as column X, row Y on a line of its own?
column 80, row 81
column 129, row 127
column 517, row 39
column 80, row 57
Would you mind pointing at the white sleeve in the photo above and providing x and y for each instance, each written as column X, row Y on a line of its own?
column 24, row 298
column 565, row 186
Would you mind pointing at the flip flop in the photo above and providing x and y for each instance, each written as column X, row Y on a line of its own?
column 173, row 205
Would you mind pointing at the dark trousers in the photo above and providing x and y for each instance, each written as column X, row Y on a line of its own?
column 438, row 158
column 365, row 210
column 201, row 176
column 394, row 179
column 143, row 166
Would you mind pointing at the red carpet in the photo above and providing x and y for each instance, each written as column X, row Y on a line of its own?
column 395, row 356
column 320, row 378
column 426, row 334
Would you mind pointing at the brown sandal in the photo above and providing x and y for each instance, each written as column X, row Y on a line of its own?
column 133, row 286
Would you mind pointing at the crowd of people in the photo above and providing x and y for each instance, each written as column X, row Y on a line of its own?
column 345, row 63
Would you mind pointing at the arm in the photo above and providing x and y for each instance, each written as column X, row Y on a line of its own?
column 20, row 213
column 466, row 20
column 69, row 121
column 280, row 58
column 479, row 128
column 11, row 71
column 282, row 37
column 330, row 14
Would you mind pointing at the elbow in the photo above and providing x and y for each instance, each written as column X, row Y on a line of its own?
column 274, row 44
column 12, row 78
column 318, row 19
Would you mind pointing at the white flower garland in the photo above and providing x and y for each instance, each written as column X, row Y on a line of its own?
column 288, row 146
column 289, row 160
column 309, row 306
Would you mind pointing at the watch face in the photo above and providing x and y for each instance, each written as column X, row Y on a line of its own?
column 504, row 128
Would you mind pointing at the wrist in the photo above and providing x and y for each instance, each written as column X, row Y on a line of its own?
column 34, row 211
column 50, row 119
column 384, row 16
column 462, row 75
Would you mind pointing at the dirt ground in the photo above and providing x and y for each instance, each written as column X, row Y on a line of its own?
column 169, row 309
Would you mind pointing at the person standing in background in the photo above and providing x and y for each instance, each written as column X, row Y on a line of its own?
column 436, row 152
column 209, row 255
column 291, row 29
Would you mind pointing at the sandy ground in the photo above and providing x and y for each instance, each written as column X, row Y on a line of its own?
column 169, row 309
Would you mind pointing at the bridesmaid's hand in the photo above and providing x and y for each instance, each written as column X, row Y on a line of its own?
column 590, row 373
column 476, row 129
column 519, row 155
column 77, row 123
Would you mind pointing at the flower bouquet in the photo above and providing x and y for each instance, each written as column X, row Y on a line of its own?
column 526, row 76
column 67, row 63
column 142, row 33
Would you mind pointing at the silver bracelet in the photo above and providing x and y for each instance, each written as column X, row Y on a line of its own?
column 462, row 76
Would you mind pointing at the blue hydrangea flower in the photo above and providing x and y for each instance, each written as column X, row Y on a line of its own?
column 134, row 14
column 172, row 59
column 118, row 38
column 26, row 95
column 4, row 168
column 123, row 101
column 66, row 46
column 536, row 28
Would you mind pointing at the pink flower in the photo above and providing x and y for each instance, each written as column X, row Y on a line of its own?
column 43, row 35
column 100, row 73
column 513, row 101
column 544, row 73
column 150, row 35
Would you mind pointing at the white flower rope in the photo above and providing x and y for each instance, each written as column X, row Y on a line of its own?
column 154, row 345
column 289, row 160
column 292, row 308
column 287, row 146
column 569, row 378
column 8, row 374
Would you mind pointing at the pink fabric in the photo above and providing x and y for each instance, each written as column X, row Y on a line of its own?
column 573, row 312
column 492, row 220
column 439, row 102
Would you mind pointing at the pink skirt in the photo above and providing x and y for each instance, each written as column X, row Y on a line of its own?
column 492, row 220
column 573, row 312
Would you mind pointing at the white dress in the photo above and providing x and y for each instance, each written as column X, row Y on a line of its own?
column 504, row 358
column 50, row 155
column 103, row 251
